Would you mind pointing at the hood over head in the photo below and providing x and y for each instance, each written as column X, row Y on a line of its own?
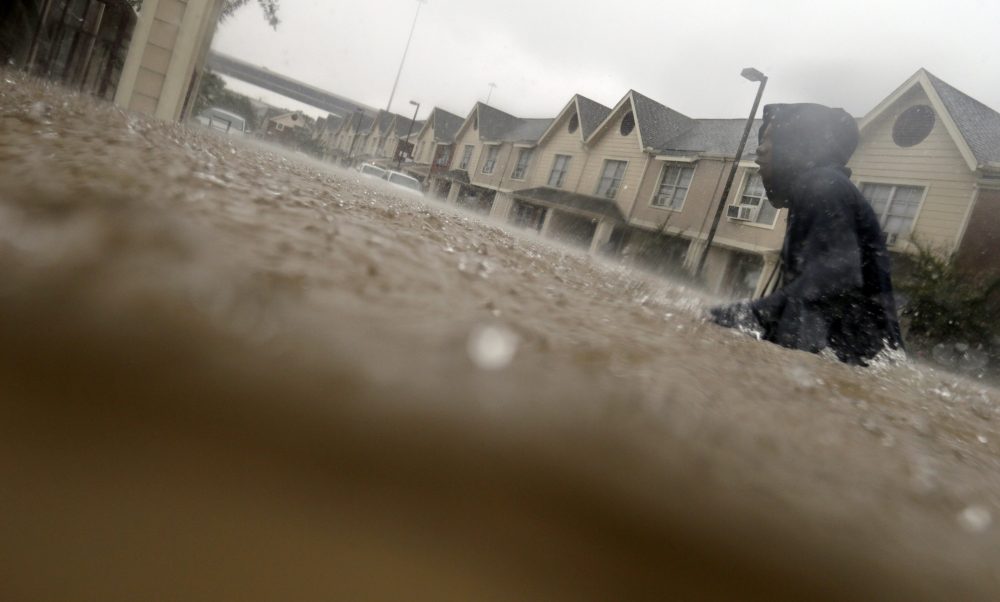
column 805, row 136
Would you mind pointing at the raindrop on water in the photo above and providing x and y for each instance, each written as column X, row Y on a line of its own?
column 975, row 519
column 492, row 347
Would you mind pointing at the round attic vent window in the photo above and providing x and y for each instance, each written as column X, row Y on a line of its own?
column 913, row 126
column 574, row 123
column 628, row 123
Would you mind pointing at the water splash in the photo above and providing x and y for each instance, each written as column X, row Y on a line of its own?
column 493, row 347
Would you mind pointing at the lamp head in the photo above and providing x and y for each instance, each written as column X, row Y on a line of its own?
column 753, row 75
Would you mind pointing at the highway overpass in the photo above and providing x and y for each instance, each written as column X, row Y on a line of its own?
column 275, row 82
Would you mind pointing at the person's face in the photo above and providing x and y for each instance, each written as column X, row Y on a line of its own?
column 765, row 156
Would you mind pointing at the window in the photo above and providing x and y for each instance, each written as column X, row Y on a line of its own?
column 895, row 206
column 420, row 151
column 628, row 123
column 611, row 178
column 753, row 205
column 913, row 126
column 674, row 184
column 574, row 123
column 466, row 157
column 559, row 168
column 523, row 160
column 444, row 156
column 491, row 159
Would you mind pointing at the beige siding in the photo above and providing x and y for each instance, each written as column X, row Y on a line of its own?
column 935, row 164
column 469, row 136
column 500, row 178
column 560, row 142
column 695, row 217
column 426, row 138
column 611, row 145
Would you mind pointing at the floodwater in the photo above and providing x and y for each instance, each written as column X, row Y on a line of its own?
column 232, row 373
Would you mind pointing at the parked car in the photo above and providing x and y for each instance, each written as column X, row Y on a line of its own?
column 224, row 121
column 367, row 169
column 402, row 180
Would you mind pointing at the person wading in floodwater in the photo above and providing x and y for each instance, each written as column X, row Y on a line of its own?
column 835, row 288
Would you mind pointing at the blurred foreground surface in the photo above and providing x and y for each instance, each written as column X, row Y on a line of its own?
column 228, row 374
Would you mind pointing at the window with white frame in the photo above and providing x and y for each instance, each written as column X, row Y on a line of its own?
column 491, row 159
column 559, row 168
column 523, row 160
column 895, row 206
column 753, row 206
column 466, row 157
column 611, row 178
column 444, row 156
column 674, row 184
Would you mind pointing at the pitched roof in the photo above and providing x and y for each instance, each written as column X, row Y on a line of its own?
column 657, row 123
column 978, row 124
column 494, row 124
column 446, row 125
column 591, row 113
column 404, row 125
column 527, row 131
column 714, row 137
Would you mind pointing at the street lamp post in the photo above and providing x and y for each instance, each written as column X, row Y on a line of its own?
column 409, row 131
column 420, row 4
column 754, row 76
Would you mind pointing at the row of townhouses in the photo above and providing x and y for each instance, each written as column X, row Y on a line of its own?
column 643, row 181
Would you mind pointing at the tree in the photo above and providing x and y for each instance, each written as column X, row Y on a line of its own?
column 213, row 93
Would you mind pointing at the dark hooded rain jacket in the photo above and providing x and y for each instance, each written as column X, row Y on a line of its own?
column 836, row 289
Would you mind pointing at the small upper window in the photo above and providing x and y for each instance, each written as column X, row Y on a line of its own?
column 628, row 123
column 913, row 126
column 574, row 123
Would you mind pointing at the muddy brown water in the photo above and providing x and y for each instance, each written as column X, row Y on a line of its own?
column 232, row 373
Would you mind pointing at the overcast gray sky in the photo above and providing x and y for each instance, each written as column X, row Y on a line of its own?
column 686, row 55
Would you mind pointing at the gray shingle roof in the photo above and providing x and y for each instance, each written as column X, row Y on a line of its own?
column 497, row 126
column 528, row 131
column 446, row 125
column 582, row 203
column 494, row 124
column 658, row 124
column 715, row 137
column 403, row 125
column 592, row 114
column 978, row 123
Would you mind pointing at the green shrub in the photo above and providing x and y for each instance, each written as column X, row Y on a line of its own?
column 943, row 304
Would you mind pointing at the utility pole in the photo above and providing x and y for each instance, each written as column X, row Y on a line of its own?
column 406, row 51
column 754, row 76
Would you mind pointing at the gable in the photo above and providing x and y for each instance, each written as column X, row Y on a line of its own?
column 919, row 83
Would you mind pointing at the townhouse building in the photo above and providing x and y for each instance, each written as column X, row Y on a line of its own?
column 489, row 147
column 433, row 148
column 929, row 162
column 643, row 181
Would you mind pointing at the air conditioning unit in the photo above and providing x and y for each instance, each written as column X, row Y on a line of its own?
column 741, row 213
